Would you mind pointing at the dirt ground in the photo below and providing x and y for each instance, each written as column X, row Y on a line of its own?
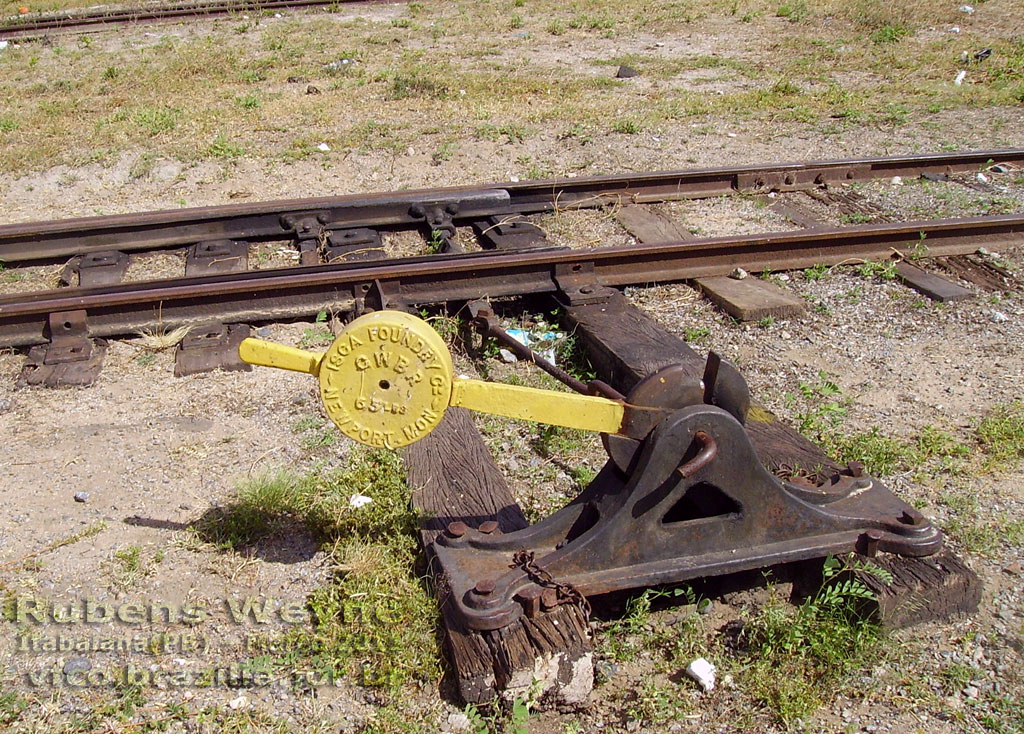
column 153, row 453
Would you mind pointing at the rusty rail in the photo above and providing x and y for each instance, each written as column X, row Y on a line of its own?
column 259, row 296
column 32, row 26
column 40, row 242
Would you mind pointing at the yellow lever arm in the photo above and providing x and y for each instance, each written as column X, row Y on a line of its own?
column 269, row 354
column 585, row 412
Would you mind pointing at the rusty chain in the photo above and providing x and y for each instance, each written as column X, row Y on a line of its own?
column 566, row 593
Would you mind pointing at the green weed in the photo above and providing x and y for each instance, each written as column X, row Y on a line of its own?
column 981, row 532
column 626, row 127
column 571, row 356
column 628, row 635
column 318, row 335
column 823, row 410
column 156, row 120
column 655, row 704
column 128, row 567
column 855, row 218
column 797, row 660
column 1001, row 435
column 225, row 150
column 881, row 271
column 11, row 707
column 891, row 33
column 248, row 102
column 417, row 81
column 793, row 11
column 696, row 333
column 816, row 272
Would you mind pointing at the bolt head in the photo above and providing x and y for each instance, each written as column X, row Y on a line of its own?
column 484, row 587
column 488, row 526
column 911, row 516
column 457, row 529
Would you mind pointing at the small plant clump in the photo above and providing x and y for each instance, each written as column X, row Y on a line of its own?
column 797, row 660
column 375, row 619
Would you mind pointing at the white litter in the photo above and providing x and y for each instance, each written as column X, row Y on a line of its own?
column 3, row 45
column 897, row 181
column 969, row 9
column 323, row 147
column 960, row 77
column 508, row 356
column 543, row 344
column 982, row 178
column 278, row 15
column 359, row 500
column 955, row 29
column 703, row 672
column 998, row 317
column 237, row 703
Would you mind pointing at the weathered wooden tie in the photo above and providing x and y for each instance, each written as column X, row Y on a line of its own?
column 455, row 479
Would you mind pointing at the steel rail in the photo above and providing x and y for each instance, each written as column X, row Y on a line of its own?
column 24, row 27
column 255, row 296
column 285, row 219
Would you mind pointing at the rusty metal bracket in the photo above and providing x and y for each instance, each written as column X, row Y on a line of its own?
column 510, row 232
column 378, row 295
column 352, row 244
column 212, row 346
column 305, row 225
column 71, row 357
column 440, row 224
column 697, row 503
column 578, row 286
column 216, row 256
column 95, row 269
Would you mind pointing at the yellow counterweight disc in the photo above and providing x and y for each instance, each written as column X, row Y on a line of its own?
column 387, row 379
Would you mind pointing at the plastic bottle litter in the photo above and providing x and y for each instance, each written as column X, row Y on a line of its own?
column 960, row 77
column 323, row 147
column 359, row 500
column 543, row 344
column 969, row 9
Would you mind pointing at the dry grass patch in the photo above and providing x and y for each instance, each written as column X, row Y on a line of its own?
column 221, row 90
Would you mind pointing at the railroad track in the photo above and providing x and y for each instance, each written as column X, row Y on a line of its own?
column 343, row 264
column 97, row 18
